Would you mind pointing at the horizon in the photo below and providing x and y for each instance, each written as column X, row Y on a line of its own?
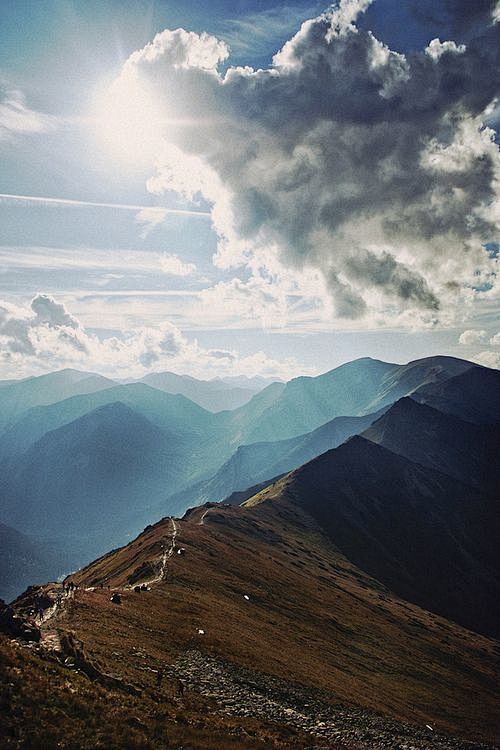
column 225, row 378
column 184, row 190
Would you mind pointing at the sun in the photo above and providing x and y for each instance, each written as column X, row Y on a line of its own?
column 127, row 120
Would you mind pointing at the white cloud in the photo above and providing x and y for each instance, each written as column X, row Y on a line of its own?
column 488, row 359
column 46, row 336
column 436, row 49
column 495, row 340
column 173, row 265
column 472, row 336
column 345, row 158
column 17, row 118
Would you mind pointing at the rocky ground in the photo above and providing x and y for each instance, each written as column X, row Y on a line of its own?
column 242, row 692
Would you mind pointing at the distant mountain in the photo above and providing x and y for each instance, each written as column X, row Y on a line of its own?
column 256, row 382
column 213, row 395
column 18, row 396
column 356, row 388
column 426, row 536
column 97, row 478
column 200, row 455
column 178, row 417
column 473, row 395
column 465, row 451
column 259, row 462
column 25, row 561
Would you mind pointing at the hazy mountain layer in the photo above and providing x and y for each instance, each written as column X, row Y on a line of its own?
column 260, row 462
column 356, row 388
column 213, row 395
column 96, row 479
column 18, row 396
column 25, row 561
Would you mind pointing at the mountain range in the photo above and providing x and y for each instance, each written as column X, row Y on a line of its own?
column 349, row 600
column 96, row 466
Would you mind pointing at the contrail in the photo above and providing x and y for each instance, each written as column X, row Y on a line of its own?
column 95, row 204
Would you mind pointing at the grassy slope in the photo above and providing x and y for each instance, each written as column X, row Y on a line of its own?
column 312, row 617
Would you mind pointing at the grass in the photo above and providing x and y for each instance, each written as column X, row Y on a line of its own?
column 312, row 618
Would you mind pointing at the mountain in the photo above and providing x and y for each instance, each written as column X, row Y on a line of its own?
column 18, row 396
column 440, row 441
column 25, row 560
column 261, row 634
column 254, row 382
column 259, row 462
column 93, row 480
column 200, row 455
column 356, row 388
column 175, row 415
column 213, row 395
column 427, row 537
column 473, row 395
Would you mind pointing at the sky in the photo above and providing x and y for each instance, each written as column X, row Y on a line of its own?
column 247, row 187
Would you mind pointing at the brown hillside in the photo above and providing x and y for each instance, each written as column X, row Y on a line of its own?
column 312, row 619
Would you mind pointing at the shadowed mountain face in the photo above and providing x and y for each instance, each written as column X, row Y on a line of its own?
column 428, row 537
column 473, row 395
column 462, row 450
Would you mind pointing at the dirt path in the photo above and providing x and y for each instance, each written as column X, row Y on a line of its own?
column 49, row 637
column 201, row 522
column 167, row 553
column 243, row 692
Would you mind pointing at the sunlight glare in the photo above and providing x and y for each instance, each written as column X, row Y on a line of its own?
column 127, row 121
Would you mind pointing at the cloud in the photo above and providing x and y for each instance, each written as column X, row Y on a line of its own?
column 436, row 49
column 495, row 340
column 257, row 32
column 344, row 156
column 488, row 359
column 473, row 336
column 46, row 336
column 46, row 326
column 173, row 265
column 17, row 118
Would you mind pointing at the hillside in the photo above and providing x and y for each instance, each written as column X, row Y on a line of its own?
column 473, row 395
column 273, row 633
column 428, row 537
column 186, row 455
column 440, row 441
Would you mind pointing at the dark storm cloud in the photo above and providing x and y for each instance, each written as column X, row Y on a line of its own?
column 372, row 166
